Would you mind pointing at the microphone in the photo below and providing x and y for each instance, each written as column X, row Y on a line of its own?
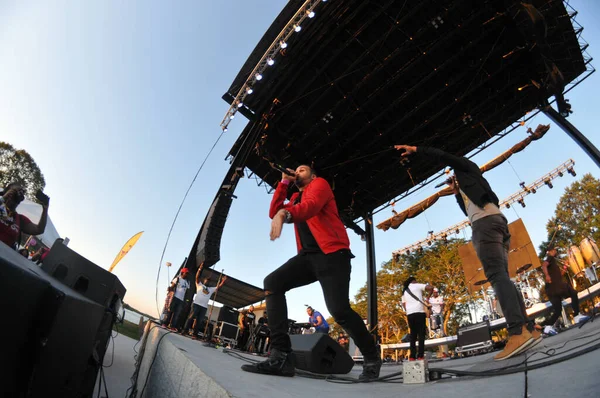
column 445, row 182
column 282, row 169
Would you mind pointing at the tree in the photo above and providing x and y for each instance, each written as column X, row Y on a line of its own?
column 16, row 165
column 441, row 266
column 577, row 215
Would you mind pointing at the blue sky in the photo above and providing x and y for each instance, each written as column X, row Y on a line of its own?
column 119, row 103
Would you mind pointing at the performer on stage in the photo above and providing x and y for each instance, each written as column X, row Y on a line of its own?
column 437, row 309
column 179, row 286
column 490, row 239
column 260, row 343
column 245, row 323
column 557, row 289
column 317, row 321
column 414, row 306
column 323, row 255
column 203, row 294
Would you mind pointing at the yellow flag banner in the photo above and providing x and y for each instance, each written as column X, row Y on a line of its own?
column 128, row 245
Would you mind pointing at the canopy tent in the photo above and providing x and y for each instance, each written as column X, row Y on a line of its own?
column 234, row 293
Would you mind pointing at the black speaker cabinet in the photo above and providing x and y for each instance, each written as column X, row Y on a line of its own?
column 319, row 353
column 228, row 314
column 83, row 276
column 51, row 333
column 229, row 331
column 474, row 337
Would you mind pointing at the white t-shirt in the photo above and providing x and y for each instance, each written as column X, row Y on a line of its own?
column 436, row 304
column 475, row 212
column 413, row 306
column 181, row 288
column 203, row 294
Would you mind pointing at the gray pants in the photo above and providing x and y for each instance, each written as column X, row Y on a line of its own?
column 491, row 240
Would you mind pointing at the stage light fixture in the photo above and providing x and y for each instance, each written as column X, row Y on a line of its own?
column 407, row 252
column 521, row 202
column 225, row 129
column 533, row 190
column 282, row 44
column 310, row 14
column 240, row 104
column 549, row 183
column 560, row 174
column 457, row 231
column 270, row 61
column 231, row 116
column 258, row 76
column 571, row 171
column 249, row 91
column 508, row 205
column 297, row 28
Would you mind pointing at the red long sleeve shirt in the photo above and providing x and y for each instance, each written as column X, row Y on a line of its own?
column 319, row 210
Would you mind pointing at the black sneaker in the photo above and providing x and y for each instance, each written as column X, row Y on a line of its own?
column 371, row 370
column 279, row 364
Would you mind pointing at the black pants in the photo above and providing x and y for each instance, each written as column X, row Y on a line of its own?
column 491, row 240
column 260, row 343
column 557, row 306
column 198, row 312
column 333, row 273
column 416, row 323
column 175, row 310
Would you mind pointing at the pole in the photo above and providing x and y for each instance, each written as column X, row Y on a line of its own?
column 371, row 274
column 573, row 132
column 212, row 305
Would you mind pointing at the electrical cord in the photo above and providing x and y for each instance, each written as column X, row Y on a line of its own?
column 132, row 391
column 329, row 377
column 177, row 215
column 154, row 359
column 519, row 368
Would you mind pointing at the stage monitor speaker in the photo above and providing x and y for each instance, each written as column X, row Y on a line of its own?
column 53, row 341
column 229, row 331
column 473, row 335
column 520, row 252
column 319, row 353
column 83, row 276
column 228, row 314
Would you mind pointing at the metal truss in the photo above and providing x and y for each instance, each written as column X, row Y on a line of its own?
column 518, row 197
column 259, row 181
column 268, row 59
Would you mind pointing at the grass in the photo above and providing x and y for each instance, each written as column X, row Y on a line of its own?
column 128, row 329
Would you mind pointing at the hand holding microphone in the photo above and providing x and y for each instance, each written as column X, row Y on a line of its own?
column 286, row 174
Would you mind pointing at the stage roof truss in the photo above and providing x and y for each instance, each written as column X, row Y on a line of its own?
column 517, row 197
column 365, row 75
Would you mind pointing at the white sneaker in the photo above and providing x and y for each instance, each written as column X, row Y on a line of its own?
column 580, row 318
column 550, row 331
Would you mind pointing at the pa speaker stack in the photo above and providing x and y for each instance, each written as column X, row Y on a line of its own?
column 53, row 337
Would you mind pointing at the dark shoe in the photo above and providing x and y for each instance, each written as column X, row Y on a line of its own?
column 371, row 370
column 279, row 364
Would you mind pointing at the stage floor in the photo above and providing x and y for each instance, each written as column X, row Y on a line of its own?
column 186, row 368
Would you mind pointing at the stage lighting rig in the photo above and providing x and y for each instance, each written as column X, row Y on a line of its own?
column 306, row 10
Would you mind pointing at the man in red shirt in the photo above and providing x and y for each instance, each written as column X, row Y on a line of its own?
column 12, row 223
column 324, row 256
